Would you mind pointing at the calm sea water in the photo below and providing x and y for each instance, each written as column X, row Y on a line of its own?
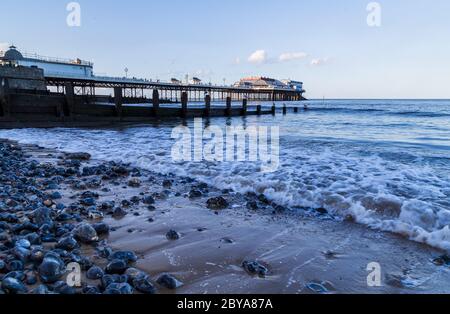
column 386, row 162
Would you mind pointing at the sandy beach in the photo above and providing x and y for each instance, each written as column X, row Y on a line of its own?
column 166, row 222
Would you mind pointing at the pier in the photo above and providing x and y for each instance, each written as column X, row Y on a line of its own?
column 34, row 88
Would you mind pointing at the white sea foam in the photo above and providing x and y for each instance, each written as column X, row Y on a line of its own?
column 412, row 200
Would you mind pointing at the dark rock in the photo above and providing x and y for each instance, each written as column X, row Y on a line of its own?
column 41, row 216
column 119, row 212
column 89, row 201
column 15, row 265
column 86, row 233
column 119, row 288
column 252, row 205
column 149, row 200
column 134, row 273
column 120, row 170
column 89, row 194
column 173, row 235
column 144, row 285
column 117, row 266
column 255, row 268
column 135, row 200
column 134, row 183
column 109, row 279
column 167, row 184
column 227, row 240
column 127, row 256
column 169, row 282
column 322, row 211
column 67, row 243
column 442, row 260
column 37, row 255
column 51, row 269
column 78, row 156
column 195, row 194
column 126, row 203
column 95, row 273
column 263, row 199
column 317, row 287
column 31, row 278
column 217, row 203
column 19, row 275
column 63, row 288
column 106, row 206
column 13, row 286
column 101, row 228
column 56, row 196
column 23, row 243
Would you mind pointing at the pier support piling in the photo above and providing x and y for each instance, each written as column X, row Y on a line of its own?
column 258, row 110
column 295, row 109
column 207, row 105
column 4, row 98
column 273, row 109
column 70, row 99
column 228, row 110
column 118, row 101
column 284, row 109
column 244, row 107
column 155, row 101
column 184, row 102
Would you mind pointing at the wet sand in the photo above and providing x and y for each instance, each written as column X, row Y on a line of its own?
column 297, row 248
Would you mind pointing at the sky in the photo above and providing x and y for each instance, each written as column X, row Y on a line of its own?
column 329, row 45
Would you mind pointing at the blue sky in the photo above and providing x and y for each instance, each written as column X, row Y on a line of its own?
column 408, row 56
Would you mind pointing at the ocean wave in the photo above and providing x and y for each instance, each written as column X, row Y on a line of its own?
column 382, row 190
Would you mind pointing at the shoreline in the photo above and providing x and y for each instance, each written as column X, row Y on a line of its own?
column 299, row 252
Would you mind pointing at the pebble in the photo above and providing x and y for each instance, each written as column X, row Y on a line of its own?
column 255, row 268
column 170, row 282
column 67, row 243
column 63, row 288
column 148, row 200
column 51, row 269
column 195, row 194
column 134, row 183
column 101, row 228
column 56, row 196
column 119, row 288
column 217, row 203
column 78, row 156
column 117, row 266
column 119, row 212
column 144, row 285
column 127, row 256
column 13, row 286
column 322, row 211
column 86, row 233
column 95, row 273
column 173, row 235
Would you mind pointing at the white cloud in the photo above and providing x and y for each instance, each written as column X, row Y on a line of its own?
column 258, row 57
column 291, row 56
column 319, row 61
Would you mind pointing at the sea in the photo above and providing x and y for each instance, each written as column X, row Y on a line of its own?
column 386, row 163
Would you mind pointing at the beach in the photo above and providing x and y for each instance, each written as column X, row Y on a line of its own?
column 181, row 235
